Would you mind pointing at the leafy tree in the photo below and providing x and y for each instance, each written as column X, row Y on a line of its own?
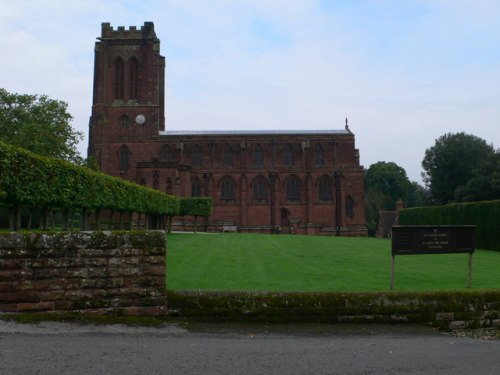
column 450, row 163
column 418, row 195
column 385, row 184
column 196, row 206
column 38, row 124
column 484, row 183
column 390, row 181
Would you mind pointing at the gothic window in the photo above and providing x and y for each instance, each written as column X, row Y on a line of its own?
column 258, row 156
column 156, row 180
column 119, row 77
column 166, row 153
column 134, row 78
column 325, row 189
column 227, row 189
column 319, row 156
column 124, row 155
column 260, row 189
column 196, row 187
column 293, row 189
column 288, row 158
column 197, row 156
column 349, row 206
column 168, row 186
column 227, row 158
column 124, row 122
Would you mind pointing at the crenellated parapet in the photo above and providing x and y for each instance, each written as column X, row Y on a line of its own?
column 147, row 31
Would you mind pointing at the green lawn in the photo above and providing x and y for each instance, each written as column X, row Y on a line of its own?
column 260, row 262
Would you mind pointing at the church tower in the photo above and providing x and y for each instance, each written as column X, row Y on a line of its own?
column 128, row 95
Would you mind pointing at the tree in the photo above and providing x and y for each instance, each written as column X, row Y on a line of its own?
column 390, row 180
column 450, row 163
column 196, row 206
column 418, row 195
column 484, row 183
column 38, row 124
column 385, row 184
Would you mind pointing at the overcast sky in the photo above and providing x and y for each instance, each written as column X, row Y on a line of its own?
column 404, row 72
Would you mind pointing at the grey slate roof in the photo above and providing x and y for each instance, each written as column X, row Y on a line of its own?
column 255, row 132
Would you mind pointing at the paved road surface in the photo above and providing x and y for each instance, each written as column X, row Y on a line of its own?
column 62, row 348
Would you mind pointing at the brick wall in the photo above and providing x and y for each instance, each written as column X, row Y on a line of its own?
column 94, row 272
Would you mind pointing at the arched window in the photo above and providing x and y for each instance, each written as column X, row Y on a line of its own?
column 319, row 156
column 119, row 77
column 166, row 153
column 227, row 158
column 196, row 187
column 258, row 156
column 197, row 156
column 349, row 206
column 124, row 121
column 133, row 78
column 227, row 189
column 325, row 189
column 124, row 155
column 293, row 189
column 288, row 158
column 260, row 189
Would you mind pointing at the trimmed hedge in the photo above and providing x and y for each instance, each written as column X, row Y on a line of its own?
column 27, row 179
column 195, row 206
column 485, row 215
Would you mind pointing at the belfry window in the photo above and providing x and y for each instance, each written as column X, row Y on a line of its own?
column 119, row 77
column 124, row 155
column 134, row 78
column 124, row 121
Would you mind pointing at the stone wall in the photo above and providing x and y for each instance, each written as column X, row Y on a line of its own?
column 93, row 272
column 445, row 309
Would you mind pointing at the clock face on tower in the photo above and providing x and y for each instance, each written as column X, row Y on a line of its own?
column 140, row 119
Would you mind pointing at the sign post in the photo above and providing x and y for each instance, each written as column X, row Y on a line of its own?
column 437, row 239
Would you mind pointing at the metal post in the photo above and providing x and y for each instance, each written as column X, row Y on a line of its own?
column 393, row 261
column 469, row 273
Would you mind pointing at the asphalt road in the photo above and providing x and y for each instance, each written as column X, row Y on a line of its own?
column 62, row 348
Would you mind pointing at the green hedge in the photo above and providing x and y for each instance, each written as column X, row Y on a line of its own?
column 31, row 180
column 485, row 215
column 195, row 206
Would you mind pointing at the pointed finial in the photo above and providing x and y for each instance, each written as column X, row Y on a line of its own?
column 346, row 124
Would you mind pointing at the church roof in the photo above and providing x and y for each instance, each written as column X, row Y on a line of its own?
column 255, row 132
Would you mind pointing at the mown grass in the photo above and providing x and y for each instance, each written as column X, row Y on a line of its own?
column 259, row 262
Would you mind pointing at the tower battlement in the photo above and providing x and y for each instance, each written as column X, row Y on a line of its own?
column 147, row 31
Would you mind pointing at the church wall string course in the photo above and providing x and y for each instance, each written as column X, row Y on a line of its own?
column 307, row 182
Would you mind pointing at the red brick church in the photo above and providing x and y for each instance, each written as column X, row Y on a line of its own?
column 306, row 181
